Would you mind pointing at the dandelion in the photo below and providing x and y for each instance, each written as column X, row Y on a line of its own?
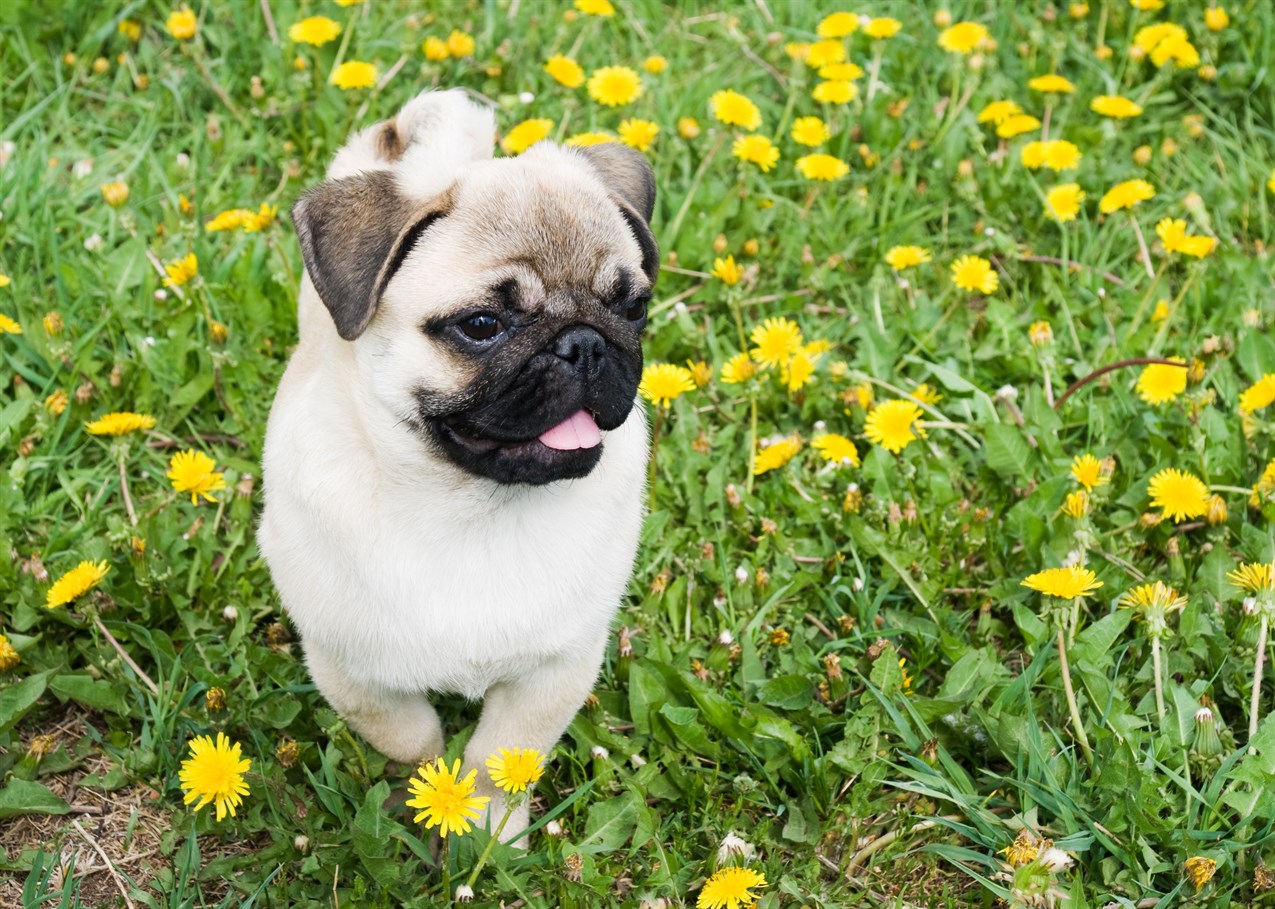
column 1017, row 125
column 976, row 274
column 181, row 23
column 1172, row 233
column 115, row 194
column 837, row 25
column 999, row 111
column 1115, row 106
column 56, row 403
column 524, row 135
column 214, row 773
column 119, row 424
column 1076, row 505
column 738, row 369
column 904, row 257
column 353, row 74
column 835, row 91
column 730, row 888
column 8, row 326
column 231, row 219
column 1125, row 195
column 841, row 72
column 891, row 424
column 883, row 27
column 727, row 271
column 435, row 50
column 756, row 149
column 1258, row 395
column 836, row 448
column 601, row 8
column 1062, row 203
column 180, row 271
column 825, row 53
column 1024, row 849
column 192, row 471
column 688, row 128
column 1200, row 870
column 1256, row 578
column 734, row 109
column 1153, row 604
column 655, row 64
column 1088, row 472
column 638, row 134
column 1160, row 382
column 796, row 372
column 1180, row 495
column 263, row 218
column 662, row 382
column 513, row 770
column 314, row 30
column 772, row 457
column 810, row 131
column 963, row 37
column 9, row 657
column 1058, row 586
column 1216, row 18
column 460, row 44
column 565, row 71
column 822, row 167
column 75, row 583
column 777, row 341
column 446, row 800
column 701, row 372
column 130, row 29
column 582, row 140
column 1063, row 583
column 1061, row 155
column 1052, row 84
column 1040, row 334
column 615, row 86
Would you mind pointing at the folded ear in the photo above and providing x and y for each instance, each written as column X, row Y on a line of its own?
column 628, row 176
column 355, row 233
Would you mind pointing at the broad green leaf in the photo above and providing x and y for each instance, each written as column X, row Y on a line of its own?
column 24, row 797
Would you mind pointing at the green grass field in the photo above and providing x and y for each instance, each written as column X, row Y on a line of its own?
column 834, row 659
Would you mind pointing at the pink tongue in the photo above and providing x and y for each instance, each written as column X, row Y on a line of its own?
column 576, row 431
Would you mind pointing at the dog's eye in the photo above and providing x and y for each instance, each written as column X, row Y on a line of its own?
column 636, row 310
column 482, row 327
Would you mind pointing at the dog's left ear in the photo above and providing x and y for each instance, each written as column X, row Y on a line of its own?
column 355, row 233
column 628, row 176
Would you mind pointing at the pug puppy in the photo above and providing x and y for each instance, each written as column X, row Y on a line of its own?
column 454, row 466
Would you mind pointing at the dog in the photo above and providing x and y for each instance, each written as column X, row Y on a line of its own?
column 454, row 464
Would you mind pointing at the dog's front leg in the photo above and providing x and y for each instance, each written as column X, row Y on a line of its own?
column 402, row 726
column 531, row 712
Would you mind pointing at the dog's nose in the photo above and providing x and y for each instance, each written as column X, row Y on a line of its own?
column 583, row 348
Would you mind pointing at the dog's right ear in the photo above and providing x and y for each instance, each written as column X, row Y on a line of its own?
column 355, row 233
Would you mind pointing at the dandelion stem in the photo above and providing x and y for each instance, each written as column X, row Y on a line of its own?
column 1146, row 298
column 495, row 838
column 1258, row 662
column 1155, row 667
column 1240, row 489
column 447, row 869
column 128, row 499
column 1142, row 247
column 752, row 436
column 1071, row 696
column 358, row 752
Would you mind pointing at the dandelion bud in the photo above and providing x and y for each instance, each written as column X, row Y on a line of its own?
column 287, row 752
column 574, row 862
column 1208, row 72
column 930, row 752
column 762, row 578
column 115, row 194
column 464, row 894
column 160, row 295
column 1252, row 318
column 734, row 850
column 857, row 585
column 779, row 637
column 732, row 496
column 853, row 500
column 741, row 575
column 1040, row 334
column 1200, row 870
column 1142, row 155
column 42, row 745
column 244, row 487
column 1078, row 10
column 1216, row 513
column 1206, row 742
column 301, row 843
column 600, row 753
column 725, row 638
column 230, row 614
column 942, row 18
column 553, row 828
column 215, row 700
column 688, row 128
column 832, row 667
column 218, row 332
column 719, row 244
column 1263, row 879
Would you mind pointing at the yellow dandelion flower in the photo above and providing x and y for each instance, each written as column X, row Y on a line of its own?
column 1024, row 849
column 115, row 194
column 75, row 583
column 446, row 800
column 263, row 218
column 353, row 74
column 1178, row 49
column 524, row 135
column 883, row 27
column 1153, row 604
column 688, row 128
column 963, row 37
column 772, row 457
column 9, row 657
column 1087, row 471
column 214, row 773
column 809, row 131
column 837, row 25
column 836, row 448
column 8, row 326
column 1052, row 83
column 1160, row 383
column 615, row 86
column 662, row 382
column 130, row 29
column 999, row 111
column 181, row 23
column 192, row 471
column 231, row 219
column 797, row 50
column 901, row 257
column 1076, row 504
column 835, row 91
column 1115, row 106
column 596, row 8
column 1179, row 495
column 727, row 271
column 655, row 64
column 515, row 769
column 565, row 71
column 1254, row 577
column 822, row 167
column 701, row 372
column 1200, row 870
column 1149, row 37
column 891, row 423
column 738, row 369
column 1034, row 154
column 1216, row 18
column 119, row 424
column 777, row 341
column 56, row 403
column 1172, row 233
column 927, row 393
column 435, row 50
column 756, row 149
column 1125, row 195
column 730, row 888
column 315, row 30
column 1062, row 203
column 797, row 371
column 180, row 271
column 975, row 273
column 583, row 140
column 638, row 134
column 1258, row 395
column 1017, row 125
column 1063, row 583
column 1061, row 155
column 825, row 53
column 841, row 72
column 460, row 44
column 734, row 109
column 1040, row 334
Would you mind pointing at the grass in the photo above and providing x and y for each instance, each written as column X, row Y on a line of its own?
column 756, row 685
